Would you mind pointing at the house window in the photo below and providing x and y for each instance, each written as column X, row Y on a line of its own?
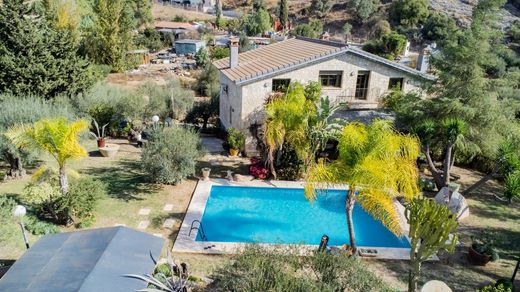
column 331, row 78
column 395, row 83
column 281, row 85
column 224, row 88
column 362, row 84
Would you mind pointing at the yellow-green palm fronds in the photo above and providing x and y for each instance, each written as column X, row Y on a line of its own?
column 379, row 162
column 352, row 142
column 320, row 177
column 381, row 206
column 54, row 136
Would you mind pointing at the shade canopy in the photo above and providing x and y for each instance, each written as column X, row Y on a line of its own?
column 89, row 260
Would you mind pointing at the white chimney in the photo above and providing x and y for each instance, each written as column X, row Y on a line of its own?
column 233, row 52
column 423, row 63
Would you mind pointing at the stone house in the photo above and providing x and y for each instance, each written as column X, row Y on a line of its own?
column 347, row 74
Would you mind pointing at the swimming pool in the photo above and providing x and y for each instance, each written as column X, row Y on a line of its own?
column 284, row 216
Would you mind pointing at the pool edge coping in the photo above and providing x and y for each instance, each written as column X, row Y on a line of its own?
column 186, row 243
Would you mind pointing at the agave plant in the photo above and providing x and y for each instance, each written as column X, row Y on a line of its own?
column 176, row 281
column 100, row 134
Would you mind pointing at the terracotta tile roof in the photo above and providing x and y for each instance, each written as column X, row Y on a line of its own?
column 174, row 25
column 290, row 54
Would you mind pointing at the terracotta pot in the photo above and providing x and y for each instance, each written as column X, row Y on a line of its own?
column 477, row 258
column 233, row 152
column 101, row 142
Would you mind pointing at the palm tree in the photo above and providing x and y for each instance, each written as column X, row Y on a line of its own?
column 55, row 136
column 301, row 118
column 378, row 164
column 288, row 119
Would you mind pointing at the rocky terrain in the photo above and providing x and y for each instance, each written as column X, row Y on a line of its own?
column 461, row 11
column 458, row 9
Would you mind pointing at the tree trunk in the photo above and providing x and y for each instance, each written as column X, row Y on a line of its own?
column 16, row 169
column 349, row 207
column 415, row 270
column 479, row 183
column 64, row 184
column 447, row 165
column 270, row 162
column 437, row 177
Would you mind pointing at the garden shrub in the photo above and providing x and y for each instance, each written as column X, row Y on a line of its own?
column 258, row 169
column 82, row 198
column 390, row 46
column 289, row 166
column 495, row 288
column 255, row 269
column 219, row 53
column 48, row 203
column 42, row 197
column 512, row 186
column 7, row 226
column 37, row 227
column 163, row 269
column 170, row 155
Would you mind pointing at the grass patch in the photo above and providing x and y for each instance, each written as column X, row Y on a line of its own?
column 128, row 191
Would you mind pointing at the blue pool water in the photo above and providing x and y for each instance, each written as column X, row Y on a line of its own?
column 279, row 215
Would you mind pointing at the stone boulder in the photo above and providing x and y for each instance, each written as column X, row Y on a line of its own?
column 457, row 204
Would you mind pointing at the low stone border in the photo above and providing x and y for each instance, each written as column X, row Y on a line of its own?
column 187, row 243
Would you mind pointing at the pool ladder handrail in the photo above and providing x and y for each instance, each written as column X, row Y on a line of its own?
column 202, row 233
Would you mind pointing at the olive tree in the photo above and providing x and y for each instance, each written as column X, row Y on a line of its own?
column 170, row 155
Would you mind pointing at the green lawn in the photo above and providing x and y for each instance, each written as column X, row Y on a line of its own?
column 128, row 192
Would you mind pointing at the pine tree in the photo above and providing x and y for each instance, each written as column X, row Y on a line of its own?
column 283, row 13
column 35, row 57
column 218, row 14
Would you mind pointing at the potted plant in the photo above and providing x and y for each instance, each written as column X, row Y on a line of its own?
column 235, row 141
column 100, row 137
column 482, row 251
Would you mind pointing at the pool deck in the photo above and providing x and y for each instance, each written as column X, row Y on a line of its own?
column 186, row 242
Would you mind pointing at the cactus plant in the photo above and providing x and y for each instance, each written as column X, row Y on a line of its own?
column 430, row 227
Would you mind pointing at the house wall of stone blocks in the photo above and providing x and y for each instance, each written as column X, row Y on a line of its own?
column 246, row 102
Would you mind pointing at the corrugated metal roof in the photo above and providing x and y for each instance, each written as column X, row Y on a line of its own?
column 89, row 260
column 174, row 25
column 290, row 54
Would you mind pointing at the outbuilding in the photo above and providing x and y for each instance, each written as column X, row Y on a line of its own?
column 186, row 47
column 87, row 260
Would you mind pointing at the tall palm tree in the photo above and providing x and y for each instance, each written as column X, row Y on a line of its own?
column 378, row 164
column 57, row 137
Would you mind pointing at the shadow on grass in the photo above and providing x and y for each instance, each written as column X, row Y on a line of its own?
column 158, row 220
column 124, row 180
column 94, row 153
column 220, row 171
